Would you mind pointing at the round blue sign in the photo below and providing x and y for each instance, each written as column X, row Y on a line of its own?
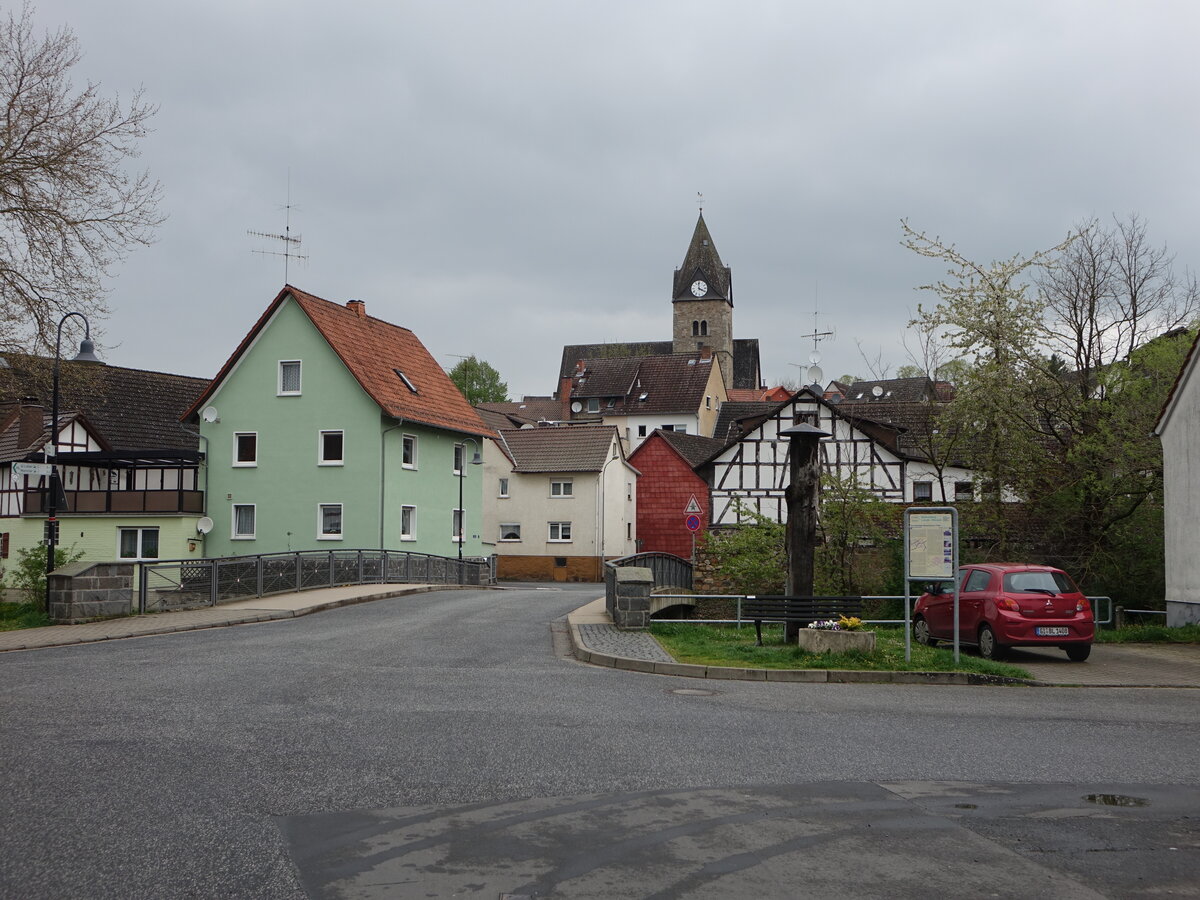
column 693, row 523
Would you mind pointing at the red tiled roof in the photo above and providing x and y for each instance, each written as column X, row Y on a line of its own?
column 373, row 351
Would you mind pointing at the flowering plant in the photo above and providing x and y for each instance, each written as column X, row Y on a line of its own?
column 842, row 623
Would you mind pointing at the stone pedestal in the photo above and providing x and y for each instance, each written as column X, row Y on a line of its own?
column 628, row 600
column 82, row 591
column 819, row 640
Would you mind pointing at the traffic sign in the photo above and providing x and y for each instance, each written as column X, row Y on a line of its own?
column 28, row 468
column 693, row 523
column 693, row 506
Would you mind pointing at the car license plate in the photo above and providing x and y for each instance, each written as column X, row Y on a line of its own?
column 1052, row 631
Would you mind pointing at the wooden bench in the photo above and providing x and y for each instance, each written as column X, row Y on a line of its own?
column 801, row 610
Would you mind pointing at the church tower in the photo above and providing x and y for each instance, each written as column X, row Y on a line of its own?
column 702, row 302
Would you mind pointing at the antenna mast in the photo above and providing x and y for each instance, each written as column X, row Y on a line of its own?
column 291, row 243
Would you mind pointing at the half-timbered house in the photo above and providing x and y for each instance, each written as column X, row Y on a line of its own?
column 751, row 472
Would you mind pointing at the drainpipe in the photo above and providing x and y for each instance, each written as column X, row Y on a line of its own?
column 383, row 476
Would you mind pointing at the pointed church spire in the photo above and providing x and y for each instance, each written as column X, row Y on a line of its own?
column 702, row 267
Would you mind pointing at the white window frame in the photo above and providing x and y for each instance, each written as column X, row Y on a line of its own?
column 321, row 459
column 234, row 535
column 140, row 546
column 503, row 489
column 593, row 404
column 408, row 440
column 299, row 364
column 411, row 533
column 458, row 525
column 243, row 464
column 510, row 540
column 322, row 534
column 565, row 488
column 923, row 484
column 559, row 528
column 459, row 461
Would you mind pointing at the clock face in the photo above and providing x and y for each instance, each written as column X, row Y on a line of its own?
column 699, row 288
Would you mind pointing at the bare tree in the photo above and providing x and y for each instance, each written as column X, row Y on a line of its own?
column 68, row 209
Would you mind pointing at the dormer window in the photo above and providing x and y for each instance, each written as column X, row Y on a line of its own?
column 407, row 383
column 593, row 404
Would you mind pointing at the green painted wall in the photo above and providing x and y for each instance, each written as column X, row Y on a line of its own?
column 287, row 484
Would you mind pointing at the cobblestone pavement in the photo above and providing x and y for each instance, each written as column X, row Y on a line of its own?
column 625, row 644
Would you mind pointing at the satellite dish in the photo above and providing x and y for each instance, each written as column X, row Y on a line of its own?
column 204, row 525
column 877, row 391
column 814, row 357
column 815, row 375
column 576, row 406
column 210, row 414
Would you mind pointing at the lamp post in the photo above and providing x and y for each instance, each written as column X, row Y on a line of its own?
column 477, row 460
column 87, row 354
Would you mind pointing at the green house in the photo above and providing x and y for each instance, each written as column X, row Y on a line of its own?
column 328, row 429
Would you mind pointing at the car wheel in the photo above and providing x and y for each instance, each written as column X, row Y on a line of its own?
column 1078, row 652
column 988, row 647
column 921, row 633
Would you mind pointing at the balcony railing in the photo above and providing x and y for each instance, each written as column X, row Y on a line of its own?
column 99, row 502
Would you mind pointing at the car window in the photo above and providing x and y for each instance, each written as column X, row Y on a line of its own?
column 978, row 581
column 1038, row 582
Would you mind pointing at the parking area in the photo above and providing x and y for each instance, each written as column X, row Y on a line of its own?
column 1115, row 665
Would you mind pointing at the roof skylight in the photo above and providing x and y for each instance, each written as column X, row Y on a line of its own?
column 408, row 384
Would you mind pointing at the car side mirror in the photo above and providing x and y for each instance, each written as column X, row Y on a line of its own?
column 935, row 587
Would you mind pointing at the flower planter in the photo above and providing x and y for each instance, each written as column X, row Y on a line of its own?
column 819, row 640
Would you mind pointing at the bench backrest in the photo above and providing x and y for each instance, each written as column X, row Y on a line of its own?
column 803, row 609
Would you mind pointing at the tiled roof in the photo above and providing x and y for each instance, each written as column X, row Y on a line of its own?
column 737, row 418
column 896, row 390
column 560, row 448
column 374, row 351
column 526, row 411
column 130, row 408
column 646, row 384
column 745, row 357
column 908, row 429
column 692, row 447
column 12, row 448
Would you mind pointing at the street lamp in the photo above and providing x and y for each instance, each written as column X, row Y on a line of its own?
column 477, row 460
column 87, row 354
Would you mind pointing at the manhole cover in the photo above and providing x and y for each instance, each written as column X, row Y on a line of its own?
column 694, row 692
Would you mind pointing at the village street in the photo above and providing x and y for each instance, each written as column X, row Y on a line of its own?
column 244, row 762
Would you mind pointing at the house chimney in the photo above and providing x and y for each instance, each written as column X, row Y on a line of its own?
column 565, row 384
column 33, row 422
column 706, row 352
column 357, row 307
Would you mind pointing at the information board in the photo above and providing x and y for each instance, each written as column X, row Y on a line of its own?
column 930, row 545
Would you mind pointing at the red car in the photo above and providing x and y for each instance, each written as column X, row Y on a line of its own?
column 1004, row 605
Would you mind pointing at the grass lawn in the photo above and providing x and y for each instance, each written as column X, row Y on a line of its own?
column 1134, row 634
column 22, row 615
column 727, row 645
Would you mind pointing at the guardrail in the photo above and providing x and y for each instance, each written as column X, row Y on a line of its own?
column 194, row 583
column 668, row 570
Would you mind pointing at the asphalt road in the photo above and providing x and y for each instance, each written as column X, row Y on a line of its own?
column 288, row 759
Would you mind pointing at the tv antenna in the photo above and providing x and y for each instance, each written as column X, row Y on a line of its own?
column 815, row 375
column 290, row 242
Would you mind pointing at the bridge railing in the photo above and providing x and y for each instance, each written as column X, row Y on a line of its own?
column 193, row 583
column 669, row 571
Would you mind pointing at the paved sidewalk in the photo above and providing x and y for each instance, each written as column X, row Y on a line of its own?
column 598, row 641
column 241, row 612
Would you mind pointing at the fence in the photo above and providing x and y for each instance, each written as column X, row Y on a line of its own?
column 193, row 583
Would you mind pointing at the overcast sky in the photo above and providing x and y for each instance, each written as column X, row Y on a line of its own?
column 508, row 177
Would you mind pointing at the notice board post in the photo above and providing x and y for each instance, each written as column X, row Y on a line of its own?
column 930, row 554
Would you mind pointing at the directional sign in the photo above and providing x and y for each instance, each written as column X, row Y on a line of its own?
column 693, row 523
column 28, row 468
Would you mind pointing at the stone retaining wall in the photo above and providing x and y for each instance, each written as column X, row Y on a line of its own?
column 82, row 591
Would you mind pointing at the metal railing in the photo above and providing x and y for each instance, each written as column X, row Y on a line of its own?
column 668, row 570
column 192, row 583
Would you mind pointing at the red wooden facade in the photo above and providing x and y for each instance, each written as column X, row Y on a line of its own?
column 665, row 489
